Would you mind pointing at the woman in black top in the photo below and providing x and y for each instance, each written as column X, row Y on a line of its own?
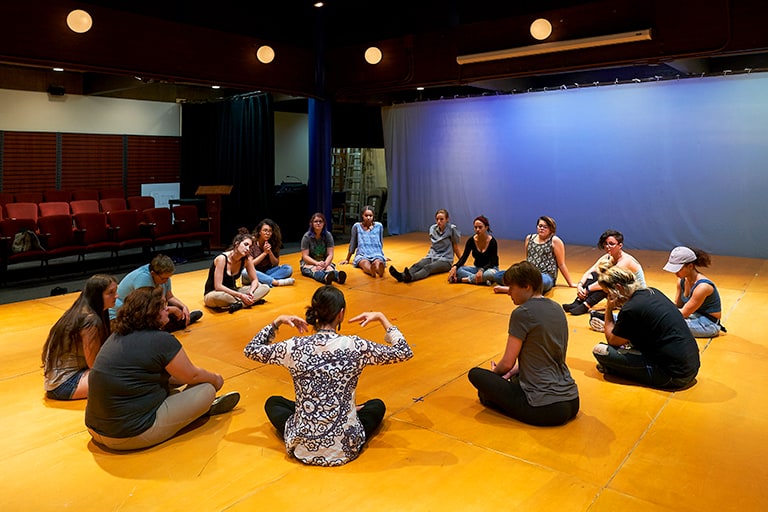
column 649, row 342
column 485, row 251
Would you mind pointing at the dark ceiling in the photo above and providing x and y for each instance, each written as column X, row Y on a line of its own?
column 171, row 49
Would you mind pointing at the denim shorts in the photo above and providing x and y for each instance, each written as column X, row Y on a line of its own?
column 67, row 388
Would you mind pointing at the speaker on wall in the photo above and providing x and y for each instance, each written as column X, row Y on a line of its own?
column 56, row 90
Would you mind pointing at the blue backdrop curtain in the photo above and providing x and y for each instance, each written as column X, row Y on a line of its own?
column 667, row 163
column 231, row 142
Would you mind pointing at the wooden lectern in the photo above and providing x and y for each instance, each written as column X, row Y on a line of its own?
column 213, row 195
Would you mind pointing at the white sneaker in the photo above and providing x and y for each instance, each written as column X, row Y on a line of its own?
column 285, row 282
column 597, row 324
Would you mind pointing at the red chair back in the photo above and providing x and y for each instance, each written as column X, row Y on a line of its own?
column 85, row 206
column 21, row 211
column 54, row 208
column 141, row 203
column 112, row 204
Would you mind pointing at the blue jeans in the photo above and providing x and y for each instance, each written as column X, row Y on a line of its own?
column 67, row 388
column 276, row 272
column 702, row 327
column 631, row 364
column 319, row 276
column 470, row 273
column 547, row 283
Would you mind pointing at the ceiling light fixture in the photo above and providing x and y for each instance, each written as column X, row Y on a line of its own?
column 79, row 21
column 373, row 55
column 556, row 46
column 265, row 54
column 58, row 69
column 541, row 29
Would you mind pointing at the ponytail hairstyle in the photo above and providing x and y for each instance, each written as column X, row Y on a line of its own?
column 242, row 234
column 327, row 301
column 484, row 220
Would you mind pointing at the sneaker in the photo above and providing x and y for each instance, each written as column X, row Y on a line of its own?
column 396, row 274
column 330, row 277
column 194, row 316
column 597, row 324
column 342, row 277
column 288, row 281
column 407, row 275
column 602, row 369
column 597, row 314
column 224, row 403
column 235, row 306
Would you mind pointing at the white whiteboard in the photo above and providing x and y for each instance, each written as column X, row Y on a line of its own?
column 162, row 192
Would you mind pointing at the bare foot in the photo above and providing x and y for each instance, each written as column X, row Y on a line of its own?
column 500, row 289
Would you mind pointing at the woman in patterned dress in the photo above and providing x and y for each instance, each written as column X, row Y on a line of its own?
column 324, row 426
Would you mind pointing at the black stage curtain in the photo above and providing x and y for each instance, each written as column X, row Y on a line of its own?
column 231, row 142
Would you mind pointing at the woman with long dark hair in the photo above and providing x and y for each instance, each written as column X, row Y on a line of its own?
column 75, row 339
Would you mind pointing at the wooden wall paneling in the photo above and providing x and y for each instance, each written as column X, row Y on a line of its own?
column 29, row 161
column 91, row 161
column 152, row 160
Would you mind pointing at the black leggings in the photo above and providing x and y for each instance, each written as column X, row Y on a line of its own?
column 593, row 297
column 279, row 409
column 507, row 397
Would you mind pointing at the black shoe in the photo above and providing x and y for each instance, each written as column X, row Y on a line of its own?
column 259, row 302
column 579, row 309
column 396, row 274
column 407, row 275
column 330, row 277
column 194, row 316
column 235, row 306
column 224, row 403
column 597, row 314
column 602, row 369
column 342, row 277
column 569, row 307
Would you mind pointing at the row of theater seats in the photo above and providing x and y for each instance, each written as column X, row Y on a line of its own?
column 87, row 232
column 66, row 196
column 32, row 210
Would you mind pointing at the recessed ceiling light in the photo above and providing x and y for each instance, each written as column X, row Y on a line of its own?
column 79, row 21
column 58, row 69
column 215, row 87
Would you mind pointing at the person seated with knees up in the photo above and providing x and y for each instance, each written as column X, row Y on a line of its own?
column 131, row 403
column 485, row 253
column 324, row 426
column 76, row 338
column 157, row 273
column 588, row 292
column 266, row 256
column 366, row 243
column 444, row 243
column 531, row 382
column 649, row 341
column 221, row 289
column 696, row 295
column 317, row 253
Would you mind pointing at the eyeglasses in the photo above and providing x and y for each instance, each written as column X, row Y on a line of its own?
column 610, row 244
column 318, row 221
column 266, row 230
column 542, row 226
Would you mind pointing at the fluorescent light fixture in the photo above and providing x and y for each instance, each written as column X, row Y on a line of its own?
column 556, row 46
